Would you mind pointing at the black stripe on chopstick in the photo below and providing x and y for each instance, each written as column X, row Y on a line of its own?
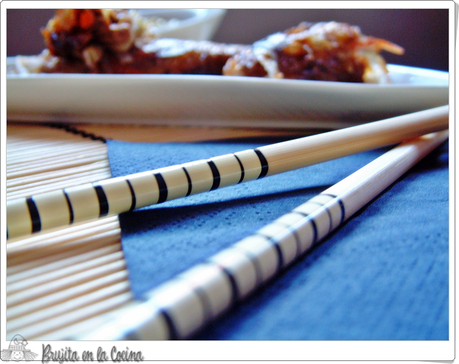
column 205, row 302
column 69, row 205
column 297, row 241
column 256, row 264
column 343, row 211
column 133, row 198
column 280, row 256
column 103, row 202
column 340, row 203
column 295, row 235
column 162, row 187
column 34, row 215
column 234, row 289
column 264, row 163
column 313, row 223
column 326, row 208
column 190, row 184
column 335, row 199
column 242, row 168
column 173, row 333
column 215, row 175
column 330, row 218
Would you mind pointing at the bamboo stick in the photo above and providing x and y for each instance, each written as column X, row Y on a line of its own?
column 48, row 290
column 49, row 312
column 62, row 322
column 55, row 268
column 41, row 279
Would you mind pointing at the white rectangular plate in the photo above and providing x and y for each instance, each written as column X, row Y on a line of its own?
column 218, row 100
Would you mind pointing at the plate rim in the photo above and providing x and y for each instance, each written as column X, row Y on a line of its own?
column 396, row 68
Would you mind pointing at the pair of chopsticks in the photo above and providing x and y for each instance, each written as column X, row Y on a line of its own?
column 60, row 208
column 162, row 316
column 183, row 305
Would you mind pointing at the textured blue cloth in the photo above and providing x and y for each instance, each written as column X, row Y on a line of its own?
column 381, row 276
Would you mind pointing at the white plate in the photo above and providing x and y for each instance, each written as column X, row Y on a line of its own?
column 218, row 100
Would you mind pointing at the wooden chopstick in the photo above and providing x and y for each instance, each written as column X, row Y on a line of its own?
column 117, row 195
column 177, row 309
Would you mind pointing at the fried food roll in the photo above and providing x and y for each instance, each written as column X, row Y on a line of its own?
column 325, row 51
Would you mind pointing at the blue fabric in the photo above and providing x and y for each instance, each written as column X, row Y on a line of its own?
column 381, row 276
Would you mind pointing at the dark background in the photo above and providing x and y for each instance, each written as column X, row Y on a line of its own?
column 422, row 32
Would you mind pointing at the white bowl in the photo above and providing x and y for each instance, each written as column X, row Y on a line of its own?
column 196, row 24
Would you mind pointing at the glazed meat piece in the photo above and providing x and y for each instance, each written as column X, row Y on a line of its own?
column 171, row 56
column 85, row 34
column 328, row 51
column 119, row 41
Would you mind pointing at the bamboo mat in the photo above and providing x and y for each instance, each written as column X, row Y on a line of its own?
column 70, row 280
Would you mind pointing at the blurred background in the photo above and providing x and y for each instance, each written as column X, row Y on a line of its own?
column 422, row 32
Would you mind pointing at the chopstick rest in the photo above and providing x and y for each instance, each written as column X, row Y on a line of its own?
column 113, row 196
column 182, row 305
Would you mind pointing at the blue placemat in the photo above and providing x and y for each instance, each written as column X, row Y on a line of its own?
column 382, row 276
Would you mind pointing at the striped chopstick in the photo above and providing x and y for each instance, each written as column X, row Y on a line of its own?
column 113, row 196
column 183, row 305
